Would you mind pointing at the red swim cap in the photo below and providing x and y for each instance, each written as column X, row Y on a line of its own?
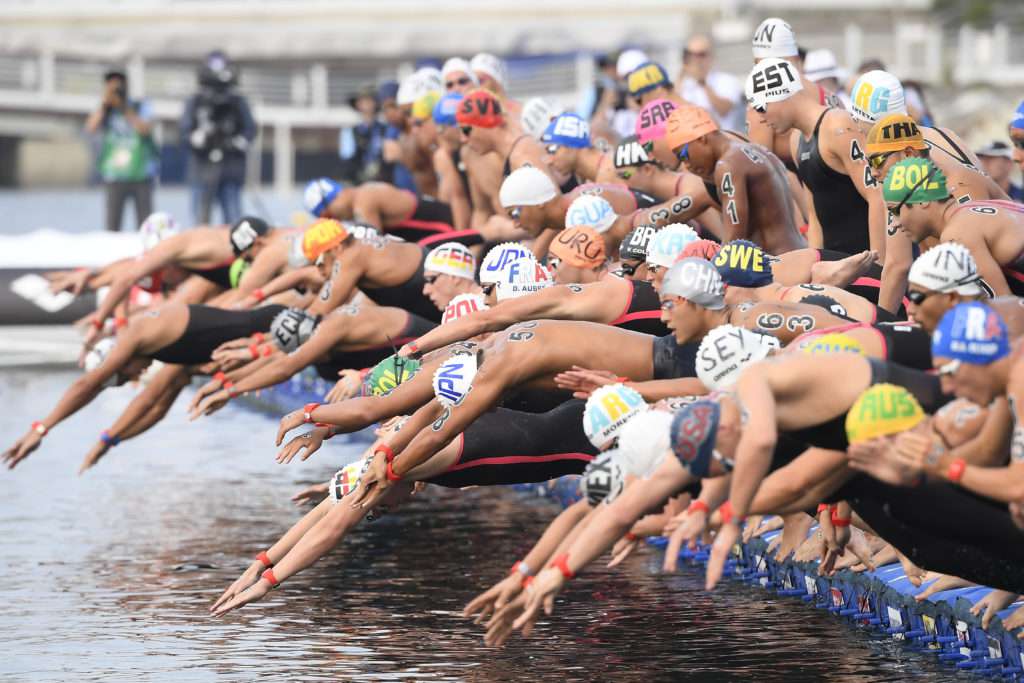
column 705, row 249
column 479, row 108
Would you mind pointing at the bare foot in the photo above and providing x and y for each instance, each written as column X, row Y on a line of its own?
column 842, row 273
column 914, row 573
column 794, row 532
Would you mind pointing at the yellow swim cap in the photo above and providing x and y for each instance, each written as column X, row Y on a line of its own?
column 423, row 108
column 881, row 410
column 834, row 342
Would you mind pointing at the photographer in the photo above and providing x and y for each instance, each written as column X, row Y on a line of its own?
column 128, row 157
column 218, row 127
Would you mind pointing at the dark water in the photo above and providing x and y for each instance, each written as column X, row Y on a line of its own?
column 108, row 577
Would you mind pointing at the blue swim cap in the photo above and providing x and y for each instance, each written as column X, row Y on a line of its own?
column 973, row 333
column 319, row 194
column 567, row 130
column 742, row 263
column 1017, row 122
column 444, row 110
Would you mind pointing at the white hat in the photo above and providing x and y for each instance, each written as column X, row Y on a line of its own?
column 607, row 411
column 500, row 256
column 521, row 277
column 156, row 228
column 726, row 350
column 949, row 267
column 421, row 82
column 772, row 80
column 629, row 60
column 451, row 258
column 453, row 380
column 875, row 95
column 603, row 478
column 537, row 114
column 821, row 64
column 668, row 243
column 644, row 441
column 490, row 65
column 527, row 186
column 774, row 38
column 463, row 304
column 457, row 65
column 592, row 211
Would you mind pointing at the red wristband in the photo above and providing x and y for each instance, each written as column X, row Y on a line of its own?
column 229, row 387
column 389, row 454
column 839, row 521
column 269, row 576
column 258, row 294
column 622, row 380
column 390, row 472
column 39, row 428
column 254, row 351
column 220, row 377
column 527, row 581
column 120, row 321
column 561, row 563
column 258, row 337
column 821, row 508
column 698, row 505
column 727, row 514
column 267, row 350
column 265, row 559
column 96, row 322
column 307, row 412
column 956, row 470
column 630, row 536
column 413, row 347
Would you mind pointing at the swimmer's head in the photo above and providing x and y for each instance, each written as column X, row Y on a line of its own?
column 644, row 442
column 577, row 255
column 647, row 82
column 537, row 114
column 726, row 351
column 320, row 243
column 664, row 249
column 742, row 263
column 453, row 379
column 481, row 120
column 633, row 251
column 704, row 435
column 939, row 279
column 249, row 236
column 692, row 294
column 651, row 124
column 916, row 195
column 771, row 90
column 607, row 411
column 591, row 211
column 562, row 138
column 971, row 351
column 882, row 410
column 463, row 305
column 319, row 194
column 449, row 269
column 603, row 479
column 875, row 95
column 891, row 140
column 128, row 372
column 524, row 193
column 687, row 134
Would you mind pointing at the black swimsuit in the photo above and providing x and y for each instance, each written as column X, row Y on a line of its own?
column 407, row 295
column 643, row 313
column 672, row 360
column 218, row 275
column 209, row 327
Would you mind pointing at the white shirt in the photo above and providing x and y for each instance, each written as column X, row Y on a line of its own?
column 725, row 86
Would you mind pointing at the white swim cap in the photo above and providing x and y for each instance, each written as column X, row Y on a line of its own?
column 457, row 65
column 291, row 328
column 644, row 441
column 97, row 354
column 608, row 410
column 949, row 267
column 603, row 479
column 500, row 256
column 492, row 66
column 697, row 281
column 772, row 80
column 454, row 378
column 156, row 228
column 668, row 243
column 451, row 258
column 875, row 95
column 537, row 114
column 346, row 480
column 726, row 350
column 463, row 304
column 629, row 60
column 421, row 82
column 591, row 211
column 774, row 38
column 521, row 277
column 296, row 256
column 527, row 186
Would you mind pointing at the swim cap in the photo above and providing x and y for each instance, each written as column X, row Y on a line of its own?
column 451, row 258
column 666, row 245
column 243, row 234
column 634, row 244
column 697, row 281
column 296, row 257
column 908, row 176
column 875, row 95
column 444, row 110
column 693, row 433
column 1017, row 122
column 629, row 152
column 454, row 378
column 834, row 342
column 522, row 277
column 388, row 374
column 236, row 271
column 608, row 410
column 319, row 194
column 479, row 108
column 705, row 249
column 973, row 333
column 423, row 107
column 882, row 409
column 567, row 130
column 644, row 442
column 456, row 65
column 490, row 65
column 345, row 480
column 603, row 479
column 894, row 133
column 322, row 236
column 537, row 114
column 726, row 351
column 743, row 264
column 772, row 80
column 500, row 256
column 628, row 61
column 651, row 121
column 526, row 186
column 949, row 267
column 774, row 38
column 291, row 328
column 156, row 228
column 821, row 64
column 592, row 211
column 418, row 84
column 647, row 77
column 97, row 354
column 686, row 124
column 463, row 304
column 580, row 247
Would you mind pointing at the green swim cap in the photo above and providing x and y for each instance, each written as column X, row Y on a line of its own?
column 237, row 270
column 388, row 374
column 908, row 178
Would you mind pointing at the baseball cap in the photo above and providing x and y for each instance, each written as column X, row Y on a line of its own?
column 592, row 211
column 580, row 247
column 323, row 235
column 996, row 148
column 652, row 119
column 629, row 152
column 726, row 350
column 834, row 342
column 971, row 332
column 490, row 65
column 463, row 304
column 537, row 114
column 644, row 442
column 521, row 277
column 697, row 281
column 774, row 38
column 567, row 130
column 686, row 124
column 647, row 77
column 319, row 194
column 500, row 256
column 1017, row 120
column 607, row 411
column 705, row 249
column 894, row 133
column 666, row 245
column 454, row 378
column 451, row 258
column 693, row 433
column 876, row 94
column 526, row 186
column 444, row 110
column 882, row 409
column 481, row 109
column 821, row 64
column 634, row 244
column 744, row 264
column 772, row 80
column 949, row 267
column 629, row 60
column 919, row 177
column 244, row 233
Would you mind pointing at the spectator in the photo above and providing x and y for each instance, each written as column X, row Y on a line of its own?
column 218, row 125
column 360, row 145
column 719, row 93
column 128, row 159
column 997, row 161
column 820, row 67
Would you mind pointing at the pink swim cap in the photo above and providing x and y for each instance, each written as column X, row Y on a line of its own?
column 650, row 124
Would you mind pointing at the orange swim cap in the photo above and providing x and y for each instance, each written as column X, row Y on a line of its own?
column 580, row 246
column 686, row 124
column 324, row 234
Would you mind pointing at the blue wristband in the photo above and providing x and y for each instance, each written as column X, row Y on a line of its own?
column 109, row 440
